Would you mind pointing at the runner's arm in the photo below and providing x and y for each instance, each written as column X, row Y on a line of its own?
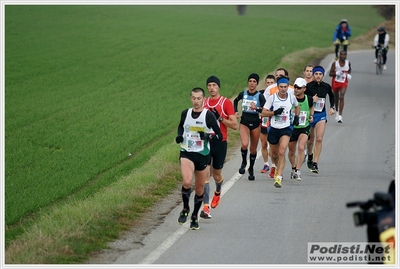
column 180, row 126
column 332, row 71
column 211, row 122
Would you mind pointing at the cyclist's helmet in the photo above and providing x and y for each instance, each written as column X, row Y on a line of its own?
column 382, row 29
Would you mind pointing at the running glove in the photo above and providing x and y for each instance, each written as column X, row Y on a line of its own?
column 207, row 136
column 179, row 139
column 296, row 120
column 278, row 111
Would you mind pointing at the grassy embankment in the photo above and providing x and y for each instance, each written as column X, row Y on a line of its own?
column 87, row 85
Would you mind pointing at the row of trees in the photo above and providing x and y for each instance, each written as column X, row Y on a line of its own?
column 386, row 11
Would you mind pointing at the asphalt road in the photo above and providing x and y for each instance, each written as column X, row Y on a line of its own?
column 257, row 224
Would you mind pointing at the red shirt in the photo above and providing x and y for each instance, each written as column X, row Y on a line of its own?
column 225, row 109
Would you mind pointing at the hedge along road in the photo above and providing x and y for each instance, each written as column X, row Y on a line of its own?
column 256, row 223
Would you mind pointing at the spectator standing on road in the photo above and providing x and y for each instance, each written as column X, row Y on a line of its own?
column 341, row 36
column 318, row 89
column 194, row 137
column 382, row 39
column 223, row 110
column 300, row 132
column 252, row 103
column 279, row 107
column 341, row 74
column 269, row 80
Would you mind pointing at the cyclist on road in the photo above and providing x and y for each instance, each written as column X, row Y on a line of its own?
column 341, row 36
column 381, row 39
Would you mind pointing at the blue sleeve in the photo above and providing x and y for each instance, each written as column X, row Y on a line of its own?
column 335, row 33
column 348, row 30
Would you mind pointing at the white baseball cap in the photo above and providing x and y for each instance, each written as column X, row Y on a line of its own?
column 300, row 82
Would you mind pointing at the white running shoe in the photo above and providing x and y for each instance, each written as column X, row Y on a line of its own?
column 336, row 116
column 297, row 176
column 384, row 67
column 340, row 119
column 374, row 60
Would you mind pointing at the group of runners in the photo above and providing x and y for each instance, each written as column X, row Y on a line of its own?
column 281, row 116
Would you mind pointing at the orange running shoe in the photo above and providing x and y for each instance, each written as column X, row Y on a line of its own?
column 215, row 200
column 205, row 213
column 272, row 172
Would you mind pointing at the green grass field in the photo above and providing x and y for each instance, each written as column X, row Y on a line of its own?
column 87, row 85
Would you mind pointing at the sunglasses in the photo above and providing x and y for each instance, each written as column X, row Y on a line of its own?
column 297, row 87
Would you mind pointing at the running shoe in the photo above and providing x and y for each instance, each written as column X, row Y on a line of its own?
column 384, row 67
column 265, row 168
column 251, row 174
column 292, row 174
column 272, row 172
column 183, row 216
column 215, row 200
column 309, row 164
column 374, row 60
column 194, row 223
column 242, row 168
column 340, row 119
column 314, row 168
column 297, row 176
column 278, row 182
column 336, row 115
column 205, row 213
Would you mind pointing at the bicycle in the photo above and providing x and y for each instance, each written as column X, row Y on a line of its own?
column 341, row 46
column 379, row 60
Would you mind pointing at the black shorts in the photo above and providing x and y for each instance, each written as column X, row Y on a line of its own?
column 200, row 161
column 218, row 151
column 275, row 134
column 264, row 130
column 297, row 131
column 250, row 124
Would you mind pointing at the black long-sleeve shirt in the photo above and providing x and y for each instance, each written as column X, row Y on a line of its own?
column 321, row 90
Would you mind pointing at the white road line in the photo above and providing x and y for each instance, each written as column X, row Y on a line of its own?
column 158, row 252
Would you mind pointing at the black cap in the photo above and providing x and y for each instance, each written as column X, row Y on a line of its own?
column 255, row 76
column 213, row 79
